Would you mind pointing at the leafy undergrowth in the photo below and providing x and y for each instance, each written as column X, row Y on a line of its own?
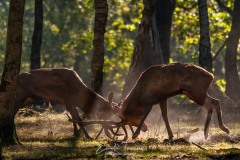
column 49, row 136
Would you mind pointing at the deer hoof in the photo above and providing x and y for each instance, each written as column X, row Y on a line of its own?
column 225, row 129
column 135, row 135
column 76, row 134
column 125, row 138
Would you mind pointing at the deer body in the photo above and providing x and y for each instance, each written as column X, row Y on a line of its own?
column 63, row 86
column 160, row 82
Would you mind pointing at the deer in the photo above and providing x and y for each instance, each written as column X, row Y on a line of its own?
column 64, row 86
column 160, row 82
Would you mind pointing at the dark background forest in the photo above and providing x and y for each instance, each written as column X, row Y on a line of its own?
column 68, row 33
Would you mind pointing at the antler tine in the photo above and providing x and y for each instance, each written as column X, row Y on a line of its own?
column 69, row 118
column 107, row 133
column 109, row 127
column 106, row 125
column 118, row 127
column 80, row 124
column 99, row 133
column 126, row 134
column 122, row 125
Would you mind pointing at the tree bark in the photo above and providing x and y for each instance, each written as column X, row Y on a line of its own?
column 101, row 13
column 205, row 57
column 11, row 71
column 164, row 14
column 142, row 39
column 37, row 35
column 231, row 72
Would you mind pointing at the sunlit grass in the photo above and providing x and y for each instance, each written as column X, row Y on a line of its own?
column 50, row 136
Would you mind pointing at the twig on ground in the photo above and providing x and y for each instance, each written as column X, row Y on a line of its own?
column 199, row 146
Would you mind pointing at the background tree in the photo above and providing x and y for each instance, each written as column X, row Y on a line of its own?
column 164, row 15
column 205, row 57
column 101, row 13
column 67, row 37
column 37, row 36
column 231, row 70
column 11, row 70
column 136, row 66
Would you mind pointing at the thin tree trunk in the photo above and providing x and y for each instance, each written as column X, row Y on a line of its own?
column 157, row 57
column 136, row 66
column 37, row 35
column 11, row 71
column 205, row 57
column 101, row 13
column 164, row 14
column 231, row 72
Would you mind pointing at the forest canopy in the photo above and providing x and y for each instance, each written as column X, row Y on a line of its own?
column 68, row 33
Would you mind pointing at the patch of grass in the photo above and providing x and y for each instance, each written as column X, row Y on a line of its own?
column 50, row 136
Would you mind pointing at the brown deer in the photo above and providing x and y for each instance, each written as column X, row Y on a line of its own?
column 65, row 87
column 160, row 82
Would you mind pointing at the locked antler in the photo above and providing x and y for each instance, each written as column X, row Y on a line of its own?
column 106, row 127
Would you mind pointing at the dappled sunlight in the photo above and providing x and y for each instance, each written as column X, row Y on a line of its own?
column 51, row 136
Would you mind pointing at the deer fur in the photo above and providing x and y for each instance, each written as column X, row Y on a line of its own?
column 160, row 82
column 63, row 86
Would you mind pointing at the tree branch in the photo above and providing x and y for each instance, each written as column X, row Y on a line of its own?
column 219, row 50
column 224, row 7
column 187, row 8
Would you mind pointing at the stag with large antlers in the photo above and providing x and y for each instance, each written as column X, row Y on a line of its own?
column 65, row 87
column 160, row 82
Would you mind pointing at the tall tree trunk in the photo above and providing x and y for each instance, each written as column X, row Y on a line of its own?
column 11, row 71
column 101, row 13
column 205, row 57
column 231, row 72
column 0, row 150
column 37, row 35
column 137, row 66
column 164, row 14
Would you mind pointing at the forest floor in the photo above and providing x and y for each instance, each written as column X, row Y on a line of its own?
column 50, row 136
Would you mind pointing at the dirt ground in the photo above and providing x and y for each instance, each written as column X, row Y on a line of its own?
column 50, row 136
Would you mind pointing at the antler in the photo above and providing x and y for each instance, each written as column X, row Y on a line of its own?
column 106, row 126
column 122, row 125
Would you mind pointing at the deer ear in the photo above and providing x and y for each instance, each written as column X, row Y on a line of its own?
column 117, row 110
column 110, row 97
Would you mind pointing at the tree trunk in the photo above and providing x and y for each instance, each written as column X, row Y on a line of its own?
column 11, row 71
column 101, row 13
column 164, row 14
column 205, row 57
column 231, row 72
column 37, row 35
column 142, row 39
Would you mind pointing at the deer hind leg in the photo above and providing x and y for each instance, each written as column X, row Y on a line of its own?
column 210, row 104
column 147, row 110
column 216, row 105
column 204, row 100
column 163, row 106
column 75, row 116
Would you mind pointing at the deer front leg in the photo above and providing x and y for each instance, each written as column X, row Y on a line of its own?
column 206, row 127
column 207, row 104
column 147, row 110
column 75, row 116
column 163, row 106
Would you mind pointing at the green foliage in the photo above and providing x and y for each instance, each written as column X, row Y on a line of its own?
column 68, row 35
column 119, row 39
column 185, row 33
column 221, row 84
